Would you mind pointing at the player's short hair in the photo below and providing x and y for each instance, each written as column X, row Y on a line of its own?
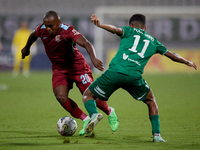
column 139, row 18
column 51, row 13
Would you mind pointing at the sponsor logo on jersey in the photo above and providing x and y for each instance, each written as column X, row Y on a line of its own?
column 129, row 59
column 44, row 38
column 57, row 38
column 125, row 56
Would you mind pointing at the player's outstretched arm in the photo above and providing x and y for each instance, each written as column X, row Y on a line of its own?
column 83, row 42
column 26, row 50
column 177, row 58
column 110, row 28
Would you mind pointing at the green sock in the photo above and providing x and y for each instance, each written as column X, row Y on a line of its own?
column 90, row 106
column 155, row 122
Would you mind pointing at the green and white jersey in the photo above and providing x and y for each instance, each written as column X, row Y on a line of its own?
column 136, row 48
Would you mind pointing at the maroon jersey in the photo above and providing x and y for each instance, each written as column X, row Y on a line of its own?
column 61, row 49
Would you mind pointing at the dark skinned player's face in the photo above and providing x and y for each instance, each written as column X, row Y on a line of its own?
column 52, row 25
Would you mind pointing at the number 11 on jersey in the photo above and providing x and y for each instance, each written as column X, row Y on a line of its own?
column 135, row 44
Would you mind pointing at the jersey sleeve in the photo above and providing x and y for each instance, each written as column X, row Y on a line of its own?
column 72, row 34
column 160, row 48
column 124, row 31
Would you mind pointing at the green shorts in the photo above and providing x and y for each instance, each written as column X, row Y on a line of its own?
column 110, row 81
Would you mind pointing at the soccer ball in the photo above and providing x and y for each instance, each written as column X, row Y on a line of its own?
column 66, row 126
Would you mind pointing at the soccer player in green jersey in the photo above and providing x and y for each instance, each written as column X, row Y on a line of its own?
column 126, row 68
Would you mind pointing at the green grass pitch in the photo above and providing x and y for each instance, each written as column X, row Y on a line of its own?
column 29, row 113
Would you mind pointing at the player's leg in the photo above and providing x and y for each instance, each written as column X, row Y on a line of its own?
column 90, row 105
column 86, row 80
column 154, row 116
column 61, row 86
column 112, row 116
column 82, row 82
column 103, row 106
column 61, row 94
column 16, row 65
column 140, row 90
column 101, row 88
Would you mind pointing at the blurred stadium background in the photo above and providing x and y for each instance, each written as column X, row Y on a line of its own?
column 179, row 33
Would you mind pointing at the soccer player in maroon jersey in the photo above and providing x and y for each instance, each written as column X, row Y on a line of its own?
column 68, row 65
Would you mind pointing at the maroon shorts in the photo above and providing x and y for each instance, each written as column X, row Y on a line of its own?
column 62, row 78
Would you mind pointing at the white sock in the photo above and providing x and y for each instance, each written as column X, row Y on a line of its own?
column 86, row 118
column 110, row 111
column 156, row 134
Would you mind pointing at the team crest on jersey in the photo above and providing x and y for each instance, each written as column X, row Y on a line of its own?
column 57, row 38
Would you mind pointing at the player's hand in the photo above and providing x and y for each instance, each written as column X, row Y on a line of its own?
column 95, row 20
column 98, row 64
column 25, row 52
column 192, row 64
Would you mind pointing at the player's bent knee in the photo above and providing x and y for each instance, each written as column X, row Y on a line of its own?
column 87, row 95
column 150, row 96
column 84, row 98
column 61, row 98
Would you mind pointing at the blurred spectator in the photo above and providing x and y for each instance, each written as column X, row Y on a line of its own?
column 19, row 40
